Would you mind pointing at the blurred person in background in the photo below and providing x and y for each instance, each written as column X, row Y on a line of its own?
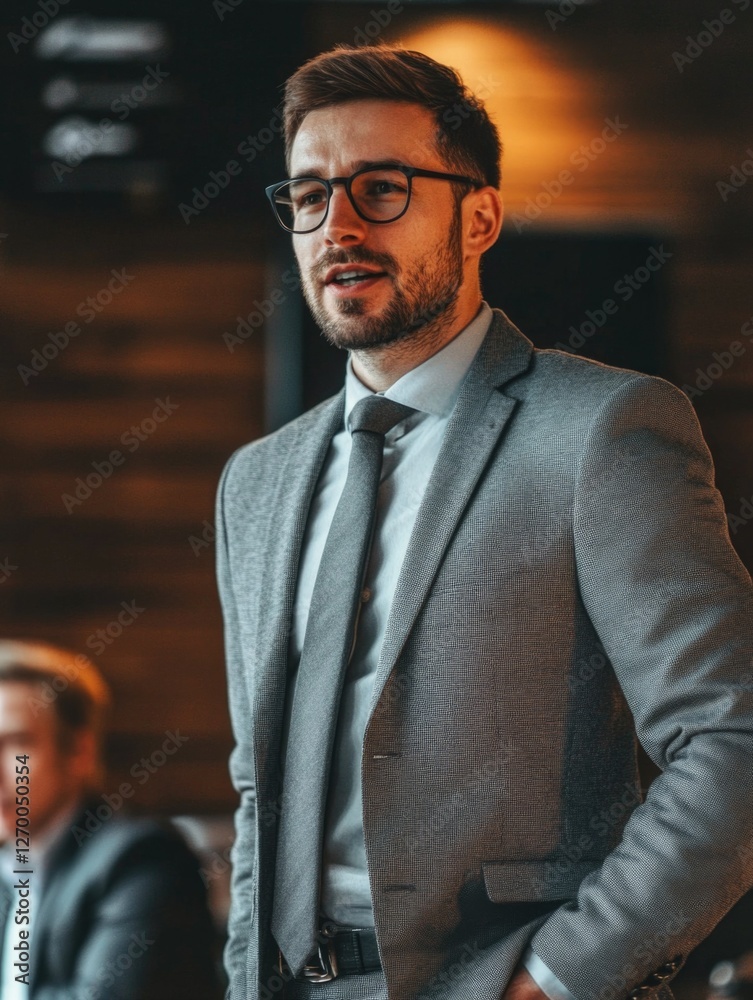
column 93, row 904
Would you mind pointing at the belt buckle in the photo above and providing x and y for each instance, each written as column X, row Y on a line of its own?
column 326, row 970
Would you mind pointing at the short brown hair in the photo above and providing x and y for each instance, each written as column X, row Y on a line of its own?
column 466, row 137
column 68, row 683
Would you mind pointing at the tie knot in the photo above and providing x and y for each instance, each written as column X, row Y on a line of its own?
column 378, row 414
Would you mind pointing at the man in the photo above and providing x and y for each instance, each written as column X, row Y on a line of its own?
column 92, row 907
column 451, row 591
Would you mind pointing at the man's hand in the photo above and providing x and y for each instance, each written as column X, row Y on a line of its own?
column 522, row 987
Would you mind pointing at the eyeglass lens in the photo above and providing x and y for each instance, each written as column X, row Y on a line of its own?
column 381, row 195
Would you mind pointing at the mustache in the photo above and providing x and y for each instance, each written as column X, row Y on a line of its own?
column 356, row 255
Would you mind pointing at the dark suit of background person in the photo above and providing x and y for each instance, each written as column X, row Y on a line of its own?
column 118, row 908
column 122, row 916
column 569, row 575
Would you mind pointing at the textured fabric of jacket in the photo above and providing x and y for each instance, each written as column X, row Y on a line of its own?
column 569, row 583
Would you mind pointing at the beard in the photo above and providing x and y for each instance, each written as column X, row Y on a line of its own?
column 425, row 299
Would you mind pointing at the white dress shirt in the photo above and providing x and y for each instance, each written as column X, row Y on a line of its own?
column 41, row 847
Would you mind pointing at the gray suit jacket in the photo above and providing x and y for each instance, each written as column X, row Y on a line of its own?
column 569, row 576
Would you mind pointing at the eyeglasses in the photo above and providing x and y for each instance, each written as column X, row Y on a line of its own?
column 378, row 194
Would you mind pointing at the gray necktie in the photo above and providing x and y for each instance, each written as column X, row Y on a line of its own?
column 327, row 648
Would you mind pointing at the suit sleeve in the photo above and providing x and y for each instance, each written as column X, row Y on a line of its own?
column 241, row 767
column 146, row 932
column 673, row 607
column 544, row 978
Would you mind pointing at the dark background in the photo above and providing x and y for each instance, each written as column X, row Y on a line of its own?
column 145, row 534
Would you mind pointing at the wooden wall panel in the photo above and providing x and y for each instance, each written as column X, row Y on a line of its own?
column 143, row 538
column 162, row 337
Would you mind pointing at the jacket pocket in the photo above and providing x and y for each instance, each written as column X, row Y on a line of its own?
column 527, row 881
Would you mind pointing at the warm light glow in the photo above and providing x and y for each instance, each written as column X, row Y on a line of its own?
column 541, row 108
column 548, row 108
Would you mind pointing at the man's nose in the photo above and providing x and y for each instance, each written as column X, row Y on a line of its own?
column 343, row 224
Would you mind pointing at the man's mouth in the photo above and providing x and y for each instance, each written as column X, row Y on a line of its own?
column 354, row 277
column 344, row 276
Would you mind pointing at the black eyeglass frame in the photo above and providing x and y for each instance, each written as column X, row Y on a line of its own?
column 410, row 173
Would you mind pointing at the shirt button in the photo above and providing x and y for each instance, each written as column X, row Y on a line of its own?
column 365, row 594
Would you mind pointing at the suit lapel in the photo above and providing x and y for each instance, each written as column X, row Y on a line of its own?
column 58, row 878
column 476, row 424
column 295, row 489
column 46, row 909
column 474, row 428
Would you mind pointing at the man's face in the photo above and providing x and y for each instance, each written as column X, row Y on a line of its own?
column 417, row 260
column 53, row 774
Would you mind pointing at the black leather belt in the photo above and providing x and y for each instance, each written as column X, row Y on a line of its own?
column 343, row 951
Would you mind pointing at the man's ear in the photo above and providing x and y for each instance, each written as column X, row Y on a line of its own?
column 483, row 212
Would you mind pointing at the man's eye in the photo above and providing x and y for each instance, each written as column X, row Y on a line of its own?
column 382, row 188
column 312, row 198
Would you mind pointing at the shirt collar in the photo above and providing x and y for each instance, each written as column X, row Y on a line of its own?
column 432, row 386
